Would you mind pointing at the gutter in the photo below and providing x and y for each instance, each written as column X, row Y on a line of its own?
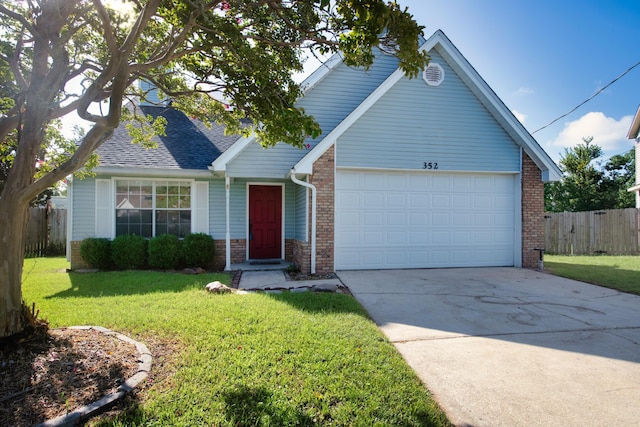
column 313, row 217
column 152, row 172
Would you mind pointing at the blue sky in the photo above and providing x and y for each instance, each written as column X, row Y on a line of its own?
column 545, row 57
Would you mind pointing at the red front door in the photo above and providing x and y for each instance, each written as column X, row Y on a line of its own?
column 265, row 221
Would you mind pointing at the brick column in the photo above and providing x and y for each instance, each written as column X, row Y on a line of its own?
column 532, row 212
column 324, row 180
column 76, row 261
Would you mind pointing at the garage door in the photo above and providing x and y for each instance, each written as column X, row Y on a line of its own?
column 423, row 220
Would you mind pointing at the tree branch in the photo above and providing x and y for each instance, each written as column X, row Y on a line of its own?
column 106, row 26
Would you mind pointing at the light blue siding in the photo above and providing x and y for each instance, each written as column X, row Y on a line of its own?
column 329, row 102
column 414, row 123
column 301, row 197
column 289, row 210
column 217, row 209
column 84, row 208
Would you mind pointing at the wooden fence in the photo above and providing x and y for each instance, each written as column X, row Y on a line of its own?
column 46, row 232
column 613, row 232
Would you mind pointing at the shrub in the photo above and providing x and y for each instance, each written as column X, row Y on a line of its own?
column 129, row 252
column 96, row 252
column 198, row 250
column 164, row 252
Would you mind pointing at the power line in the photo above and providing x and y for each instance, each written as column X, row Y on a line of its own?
column 588, row 99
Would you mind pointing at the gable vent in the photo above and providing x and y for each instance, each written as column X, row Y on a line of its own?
column 433, row 74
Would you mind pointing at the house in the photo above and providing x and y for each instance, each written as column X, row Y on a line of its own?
column 408, row 173
column 634, row 133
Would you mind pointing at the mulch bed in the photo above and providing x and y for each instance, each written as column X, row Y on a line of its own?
column 297, row 276
column 53, row 374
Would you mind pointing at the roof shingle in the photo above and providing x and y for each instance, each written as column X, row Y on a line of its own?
column 188, row 144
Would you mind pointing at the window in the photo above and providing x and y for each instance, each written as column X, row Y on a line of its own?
column 151, row 208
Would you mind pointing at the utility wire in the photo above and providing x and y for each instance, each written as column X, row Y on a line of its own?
column 588, row 99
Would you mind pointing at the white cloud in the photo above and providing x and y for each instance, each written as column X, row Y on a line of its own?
column 523, row 91
column 608, row 133
column 520, row 116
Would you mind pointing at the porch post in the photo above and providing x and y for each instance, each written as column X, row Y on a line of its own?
column 227, row 187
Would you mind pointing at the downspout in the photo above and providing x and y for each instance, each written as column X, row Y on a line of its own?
column 313, row 217
column 227, row 187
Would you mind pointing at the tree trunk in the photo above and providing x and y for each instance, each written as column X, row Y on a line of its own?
column 13, row 222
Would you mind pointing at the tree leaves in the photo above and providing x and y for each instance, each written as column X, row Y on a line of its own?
column 585, row 187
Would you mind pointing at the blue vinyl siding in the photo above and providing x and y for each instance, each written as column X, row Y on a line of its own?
column 301, row 195
column 84, row 208
column 414, row 123
column 329, row 103
column 217, row 209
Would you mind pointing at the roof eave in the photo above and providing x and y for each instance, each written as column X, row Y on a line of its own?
column 634, row 130
column 550, row 171
column 136, row 171
column 220, row 164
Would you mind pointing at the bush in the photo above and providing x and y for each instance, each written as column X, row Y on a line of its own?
column 198, row 250
column 129, row 252
column 164, row 252
column 96, row 252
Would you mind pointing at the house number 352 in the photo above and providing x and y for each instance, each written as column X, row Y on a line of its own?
column 430, row 165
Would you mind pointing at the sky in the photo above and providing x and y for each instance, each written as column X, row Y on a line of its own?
column 544, row 57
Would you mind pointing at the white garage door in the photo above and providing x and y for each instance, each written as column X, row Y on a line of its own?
column 423, row 220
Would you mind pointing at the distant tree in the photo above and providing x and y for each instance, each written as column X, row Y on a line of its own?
column 585, row 186
column 620, row 175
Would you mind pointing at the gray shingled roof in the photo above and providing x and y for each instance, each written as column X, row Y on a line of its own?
column 188, row 144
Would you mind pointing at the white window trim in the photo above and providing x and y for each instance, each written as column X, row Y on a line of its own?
column 112, row 198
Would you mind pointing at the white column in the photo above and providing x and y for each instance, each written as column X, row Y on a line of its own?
column 227, row 188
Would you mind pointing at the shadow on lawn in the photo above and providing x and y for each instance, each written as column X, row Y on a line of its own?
column 112, row 283
column 254, row 406
column 321, row 302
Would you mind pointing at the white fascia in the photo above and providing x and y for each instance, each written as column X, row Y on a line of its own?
column 152, row 172
column 634, row 130
column 220, row 164
column 305, row 165
column 320, row 73
column 550, row 171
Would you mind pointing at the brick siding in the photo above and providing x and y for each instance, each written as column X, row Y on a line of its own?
column 238, row 252
column 532, row 213
column 324, row 180
column 301, row 255
column 76, row 262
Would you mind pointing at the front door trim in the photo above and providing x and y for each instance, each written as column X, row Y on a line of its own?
column 259, row 183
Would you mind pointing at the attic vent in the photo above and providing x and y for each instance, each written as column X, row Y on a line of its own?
column 433, row 74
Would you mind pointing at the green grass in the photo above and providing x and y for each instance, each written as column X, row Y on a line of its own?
column 616, row 272
column 291, row 359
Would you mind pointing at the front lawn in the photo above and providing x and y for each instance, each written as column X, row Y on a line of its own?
column 616, row 272
column 290, row 359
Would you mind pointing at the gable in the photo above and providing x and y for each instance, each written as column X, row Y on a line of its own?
column 330, row 100
column 496, row 108
column 414, row 123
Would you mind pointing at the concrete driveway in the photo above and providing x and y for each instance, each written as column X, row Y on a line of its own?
column 508, row 346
